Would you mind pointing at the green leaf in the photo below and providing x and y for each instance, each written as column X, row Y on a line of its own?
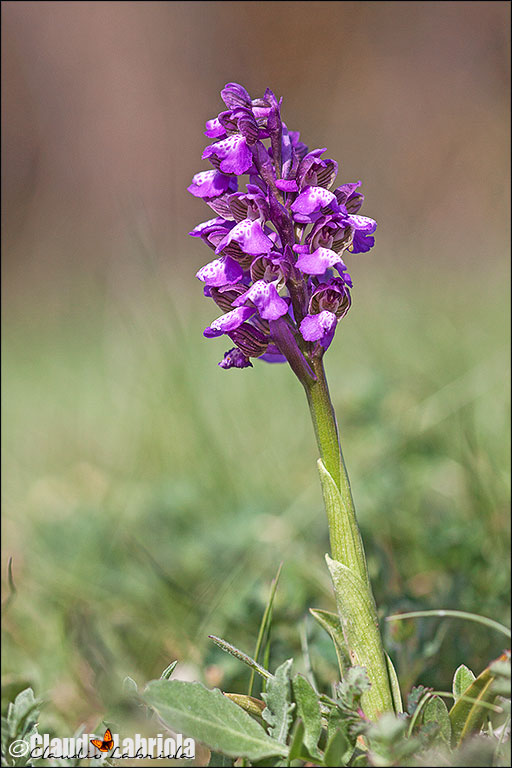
column 395, row 686
column 468, row 713
column 211, row 718
column 361, row 632
column 332, row 624
column 23, row 713
column 166, row 674
column 436, row 711
column 277, row 698
column 241, row 656
column 308, row 708
column 337, row 721
column 217, row 760
column 342, row 527
column 462, row 679
column 337, row 749
column 297, row 748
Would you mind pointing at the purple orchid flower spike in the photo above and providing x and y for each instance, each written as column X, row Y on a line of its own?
column 279, row 277
column 278, row 239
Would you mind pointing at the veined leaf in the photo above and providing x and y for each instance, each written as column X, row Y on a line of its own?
column 436, row 711
column 211, row 718
column 279, row 707
column 462, row 679
column 308, row 709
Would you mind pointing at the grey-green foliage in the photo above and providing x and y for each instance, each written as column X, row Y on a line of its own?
column 308, row 709
column 277, row 697
column 436, row 712
column 352, row 688
column 19, row 724
column 211, row 718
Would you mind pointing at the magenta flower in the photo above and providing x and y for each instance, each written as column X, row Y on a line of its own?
column 279, row 276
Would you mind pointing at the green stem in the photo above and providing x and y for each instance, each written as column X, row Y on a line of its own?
column 327, row 437
column 324, row 423
column 360, row 624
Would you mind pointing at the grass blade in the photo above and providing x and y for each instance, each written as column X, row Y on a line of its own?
column 266, row 621
column 441, row 613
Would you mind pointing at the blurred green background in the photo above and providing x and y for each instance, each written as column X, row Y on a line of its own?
column 148, row 495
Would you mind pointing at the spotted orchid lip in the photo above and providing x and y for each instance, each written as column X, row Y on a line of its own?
column 278, row 274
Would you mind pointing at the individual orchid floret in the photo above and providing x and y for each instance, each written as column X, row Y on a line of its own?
column 228, row 322
column 317, row 262
column 313, row 171
column 230, row 155
column 219, row 272
column 319, row 327
column 364, row 228
column 209, row 184
column 312, row 202
column 348, row 197
column 212, row 231
column 329, row 303
column 265, row 298
column 249, row 237
column 279, row 236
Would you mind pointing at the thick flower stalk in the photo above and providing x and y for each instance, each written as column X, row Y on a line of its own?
column 279, row 277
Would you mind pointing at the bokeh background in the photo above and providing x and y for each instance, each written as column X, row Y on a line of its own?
column 148, row 495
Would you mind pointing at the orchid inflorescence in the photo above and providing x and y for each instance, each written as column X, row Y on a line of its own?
column 278, row 274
